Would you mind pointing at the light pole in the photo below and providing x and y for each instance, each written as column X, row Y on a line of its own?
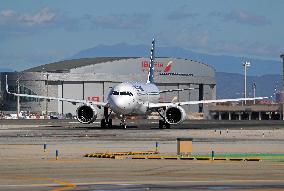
column 18, row 97
column 46, row 74
column 282, row 56
column 246, row 64
column 254, row 91
column 46, row 101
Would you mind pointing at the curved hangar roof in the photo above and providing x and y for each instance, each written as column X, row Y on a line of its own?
column 128, row 65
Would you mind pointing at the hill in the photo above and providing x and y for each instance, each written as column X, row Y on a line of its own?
column 230, row 85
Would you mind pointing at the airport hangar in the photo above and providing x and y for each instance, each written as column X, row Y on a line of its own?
column 91, row 79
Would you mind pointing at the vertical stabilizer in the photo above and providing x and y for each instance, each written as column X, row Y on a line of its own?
column 151, row 65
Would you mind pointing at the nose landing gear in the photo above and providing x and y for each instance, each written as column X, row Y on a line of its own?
column 123, row 121
column 163, row 123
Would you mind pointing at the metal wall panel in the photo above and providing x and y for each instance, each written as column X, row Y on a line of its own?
column 194, row 96
column 171, row 96
column 162, row 96
column 52, row 92
column 93, row 91
column 184, row 95
column 207, row 92
column 72, row 90
column 60, row 94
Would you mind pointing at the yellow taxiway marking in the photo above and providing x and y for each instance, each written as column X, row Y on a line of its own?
column 66, row 185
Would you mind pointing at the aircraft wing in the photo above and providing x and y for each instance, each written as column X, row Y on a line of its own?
column 159, row 105
column 73, row 101
column 174, row 90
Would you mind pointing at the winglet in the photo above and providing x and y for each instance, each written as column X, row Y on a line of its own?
column 151, row 65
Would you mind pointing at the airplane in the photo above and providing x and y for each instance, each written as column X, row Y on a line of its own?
column 126, row 99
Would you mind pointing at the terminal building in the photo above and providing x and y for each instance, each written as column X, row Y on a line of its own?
column 92, row 78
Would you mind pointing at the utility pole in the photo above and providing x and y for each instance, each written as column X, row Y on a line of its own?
column 254, row 90
column 18, row 97
column 246, row 64
column 46, row 101
column 282, row 93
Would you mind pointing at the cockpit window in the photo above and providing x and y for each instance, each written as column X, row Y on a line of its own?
column 121, row 93
column 126, row 93
column 115, row 93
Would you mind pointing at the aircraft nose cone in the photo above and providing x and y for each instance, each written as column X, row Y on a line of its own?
column 123, row 106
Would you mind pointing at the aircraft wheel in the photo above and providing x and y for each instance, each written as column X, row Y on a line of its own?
column 103, row 123
column 123, row 125
column 168, row 126
column 161, row 124
column 110, row 123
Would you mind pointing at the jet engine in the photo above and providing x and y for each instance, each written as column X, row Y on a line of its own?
column 86, row 114
column 174, row 114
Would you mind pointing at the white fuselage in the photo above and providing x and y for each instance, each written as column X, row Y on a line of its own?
column 132, row 98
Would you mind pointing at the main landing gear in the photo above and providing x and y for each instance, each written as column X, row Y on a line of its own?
column 107, row 121
column 163, row 123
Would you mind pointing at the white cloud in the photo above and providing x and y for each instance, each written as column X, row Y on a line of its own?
column 132, row 21
column 243, row 17
column 8, row 13
column 13, row 23
column 258, row 49
column 45, row 15
column 11, row 17
column 204, row 42
column 189, row 39
column 181, row 13
column 246, row 17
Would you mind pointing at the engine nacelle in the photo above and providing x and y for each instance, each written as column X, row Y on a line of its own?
column 174, row 114
column 86, row 114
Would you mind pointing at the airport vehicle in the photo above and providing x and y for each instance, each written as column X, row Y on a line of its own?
column 136, row 98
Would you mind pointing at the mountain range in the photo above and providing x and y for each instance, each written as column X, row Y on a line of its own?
column 231, row 85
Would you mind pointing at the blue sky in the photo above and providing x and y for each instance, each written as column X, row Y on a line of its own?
column 34, row 32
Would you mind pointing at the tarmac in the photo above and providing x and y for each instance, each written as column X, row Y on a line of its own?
column 24, row 165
